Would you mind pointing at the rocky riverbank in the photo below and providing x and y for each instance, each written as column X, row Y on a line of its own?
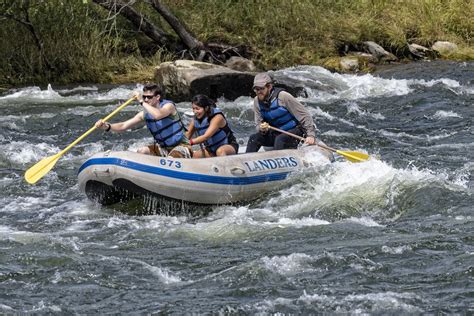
column 184, row 78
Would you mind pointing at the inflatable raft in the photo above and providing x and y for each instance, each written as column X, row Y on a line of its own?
column 111, row 177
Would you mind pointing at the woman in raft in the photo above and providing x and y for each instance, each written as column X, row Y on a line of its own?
column 210, row 129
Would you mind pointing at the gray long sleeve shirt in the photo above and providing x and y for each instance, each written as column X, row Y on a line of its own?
column 294, row 107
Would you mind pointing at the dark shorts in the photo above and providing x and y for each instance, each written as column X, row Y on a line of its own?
column 234, row 145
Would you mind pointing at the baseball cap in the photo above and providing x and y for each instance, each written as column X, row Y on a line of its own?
column 261, row 80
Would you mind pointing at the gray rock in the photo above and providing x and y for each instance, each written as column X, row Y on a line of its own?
column 349, row 64
column 420, row 51
column 444, row 48
column 240, row 64
column 378, row 51
column 182, row 79
column 364, row 57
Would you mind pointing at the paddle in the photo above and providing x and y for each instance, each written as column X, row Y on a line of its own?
column 36, row 172
column 353, row 156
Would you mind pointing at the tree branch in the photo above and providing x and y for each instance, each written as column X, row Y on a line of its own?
column 190, row 41
column 138, row 20
column 25, row 21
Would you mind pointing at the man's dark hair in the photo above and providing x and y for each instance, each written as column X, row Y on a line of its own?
column 156, row 88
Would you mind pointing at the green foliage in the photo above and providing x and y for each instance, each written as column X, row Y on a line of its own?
column 82, row 42
column 307, row 31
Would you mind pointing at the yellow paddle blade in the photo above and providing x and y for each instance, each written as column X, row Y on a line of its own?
column 36, row 172
column 353, row 156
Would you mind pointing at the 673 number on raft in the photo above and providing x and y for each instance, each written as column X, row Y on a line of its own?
column 170, row 163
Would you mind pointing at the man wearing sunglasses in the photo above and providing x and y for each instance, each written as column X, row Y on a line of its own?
column 277, row 108
column 162, row 120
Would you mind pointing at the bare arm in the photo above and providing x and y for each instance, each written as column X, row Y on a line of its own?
column 121, row 126
column 190, row 132
column 217, row 122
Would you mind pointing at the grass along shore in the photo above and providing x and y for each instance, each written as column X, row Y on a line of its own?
column 83, row 43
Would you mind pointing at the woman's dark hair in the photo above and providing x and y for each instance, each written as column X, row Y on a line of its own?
column 156, row 88
column 205, row 102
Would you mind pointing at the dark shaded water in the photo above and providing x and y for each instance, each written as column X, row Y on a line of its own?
column 386, row 236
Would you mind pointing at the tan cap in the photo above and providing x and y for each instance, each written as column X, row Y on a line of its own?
column 261, row 80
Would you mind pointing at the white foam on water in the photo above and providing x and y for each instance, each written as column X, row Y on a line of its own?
column 10, row 126
column 116, row 221
column 22, row 203
column 298, row 222
column 78, row 89
column 384, row 301
column 453, row 146
column 364, row 221
column 362, row 193
column 440, row 115
column 322, row 85
column 318, row 112
column 43, row 307
column 24, row 118
column 352, row 107
column 288, row 265
column 372, row 302
column 423, row 137
column 316, row 79
column 163, row 274
column 19, row 236
column 50, row 95
column 469, row 90
column 24, row 152
column 155, row 222
column 225, row 223
column 396, row 250
column 77, row 215
column 6, row 308
column 242, row 102
column 357, row 304
column 32, row 93
column 450, row 83
column 334, row 133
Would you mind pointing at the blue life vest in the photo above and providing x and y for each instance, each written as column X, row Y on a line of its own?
column 221, row 137
column 166, row 131
column 276, row 115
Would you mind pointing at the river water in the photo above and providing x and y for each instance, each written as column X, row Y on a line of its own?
column 388, row 236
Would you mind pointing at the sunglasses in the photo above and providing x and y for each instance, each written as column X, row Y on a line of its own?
column 257, row 89
column 145, row 97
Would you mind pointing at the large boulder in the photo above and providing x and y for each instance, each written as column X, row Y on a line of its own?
column 444, row 48
column 182, row 79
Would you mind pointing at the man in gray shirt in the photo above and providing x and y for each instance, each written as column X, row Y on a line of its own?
column 278, row 108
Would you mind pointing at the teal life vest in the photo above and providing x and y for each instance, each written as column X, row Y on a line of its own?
column 168, row 131
column 276, row 115
column 221, row 137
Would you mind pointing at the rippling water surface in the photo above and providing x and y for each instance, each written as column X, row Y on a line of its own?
column 393, row 235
